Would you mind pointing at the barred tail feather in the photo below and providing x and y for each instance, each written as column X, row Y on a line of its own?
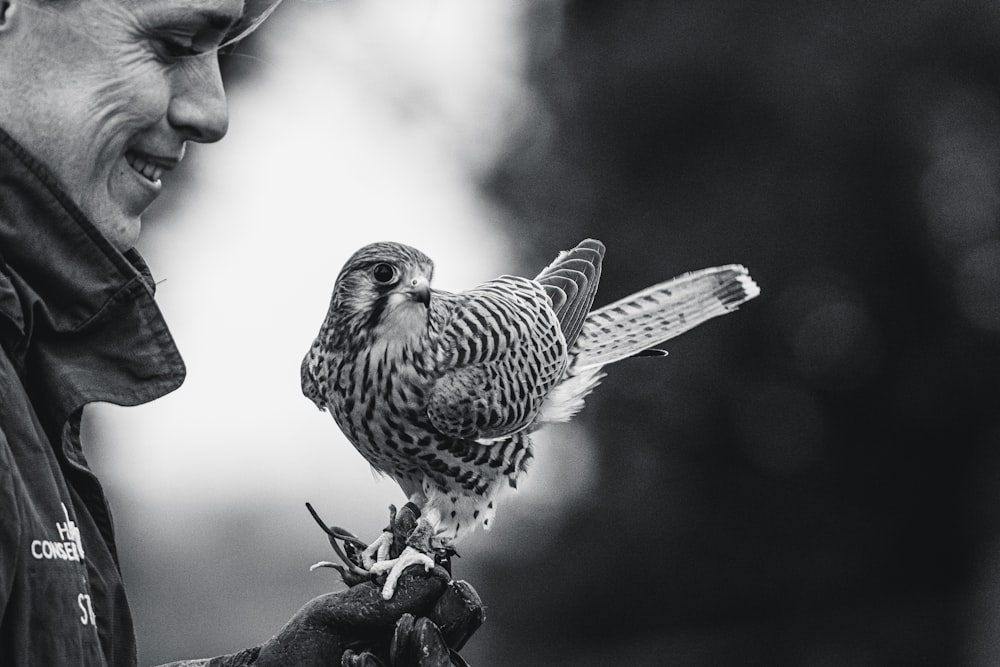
column 661, row 312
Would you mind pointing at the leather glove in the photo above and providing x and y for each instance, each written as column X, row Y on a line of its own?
column 424, row 625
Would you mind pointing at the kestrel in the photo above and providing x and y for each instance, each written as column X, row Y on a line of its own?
column 442, row 391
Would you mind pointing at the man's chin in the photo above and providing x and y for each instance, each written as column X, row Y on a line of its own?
column 122, row 232
column 128, row 240
column 118, row 218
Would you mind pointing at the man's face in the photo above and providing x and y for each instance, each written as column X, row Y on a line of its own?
column 108, row 93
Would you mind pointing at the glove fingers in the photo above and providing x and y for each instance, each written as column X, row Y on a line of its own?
column 458, row 613
column 402, row 650
column 433, row 652
column 418, row 643
column 352, row 659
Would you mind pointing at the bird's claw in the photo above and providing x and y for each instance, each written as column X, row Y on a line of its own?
column 405, row 542
column 378, row 551
column 394, row 568
column 418, row 551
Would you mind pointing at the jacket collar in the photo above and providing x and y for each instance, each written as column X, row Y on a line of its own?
column 81, row 321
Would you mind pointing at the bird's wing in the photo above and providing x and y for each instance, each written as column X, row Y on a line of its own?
column 500, row 351
column 571, row 284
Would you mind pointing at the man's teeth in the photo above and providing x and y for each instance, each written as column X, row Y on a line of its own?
column 150, row 171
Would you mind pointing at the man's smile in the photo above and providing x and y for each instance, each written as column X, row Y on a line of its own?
column 151, row 167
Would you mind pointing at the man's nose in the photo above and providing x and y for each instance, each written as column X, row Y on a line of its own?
column 198, row 107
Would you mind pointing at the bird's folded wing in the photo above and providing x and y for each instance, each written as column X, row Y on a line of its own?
column 502, row 350
column 571, row 284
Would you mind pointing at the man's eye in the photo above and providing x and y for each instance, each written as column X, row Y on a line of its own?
column 172, row 48
column 200, row 43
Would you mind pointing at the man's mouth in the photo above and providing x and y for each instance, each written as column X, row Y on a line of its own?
column 145, row 166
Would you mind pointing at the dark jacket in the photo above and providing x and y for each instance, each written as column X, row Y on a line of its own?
column 78, row 324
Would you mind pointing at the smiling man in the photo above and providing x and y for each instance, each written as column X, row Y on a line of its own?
column 106, row 95
column 98, row 99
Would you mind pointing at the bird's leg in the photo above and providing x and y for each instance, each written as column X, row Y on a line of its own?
column 404, row 542
column 418, row 551
column 380, row 549
column 403, row 525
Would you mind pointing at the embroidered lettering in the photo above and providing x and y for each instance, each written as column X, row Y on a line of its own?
column 87, row 618
column 70, row 547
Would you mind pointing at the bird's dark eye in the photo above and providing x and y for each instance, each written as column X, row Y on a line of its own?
column 384, row 274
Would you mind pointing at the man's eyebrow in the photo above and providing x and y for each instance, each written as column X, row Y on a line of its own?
column 216, row 20
column 220, row 20
column 201, row 18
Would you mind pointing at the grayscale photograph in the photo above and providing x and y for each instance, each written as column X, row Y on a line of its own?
column 449, row 333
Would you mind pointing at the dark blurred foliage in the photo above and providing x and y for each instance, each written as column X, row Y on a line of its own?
column 812, row 480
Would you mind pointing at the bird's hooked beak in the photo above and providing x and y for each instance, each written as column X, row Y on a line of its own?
column 419, row 289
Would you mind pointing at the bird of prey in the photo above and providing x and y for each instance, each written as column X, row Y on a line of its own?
column 442, row 391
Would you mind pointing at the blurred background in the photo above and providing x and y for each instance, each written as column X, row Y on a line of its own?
column 814, row 480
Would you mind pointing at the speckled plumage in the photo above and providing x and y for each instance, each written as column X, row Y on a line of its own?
column 441, row 391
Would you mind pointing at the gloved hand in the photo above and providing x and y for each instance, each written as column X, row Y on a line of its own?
column 424, row 625
column 429, row 641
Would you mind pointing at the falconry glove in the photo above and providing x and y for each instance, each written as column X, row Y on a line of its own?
column 424, row 625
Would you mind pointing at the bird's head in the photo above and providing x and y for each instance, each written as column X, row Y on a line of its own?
column 383, row 290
